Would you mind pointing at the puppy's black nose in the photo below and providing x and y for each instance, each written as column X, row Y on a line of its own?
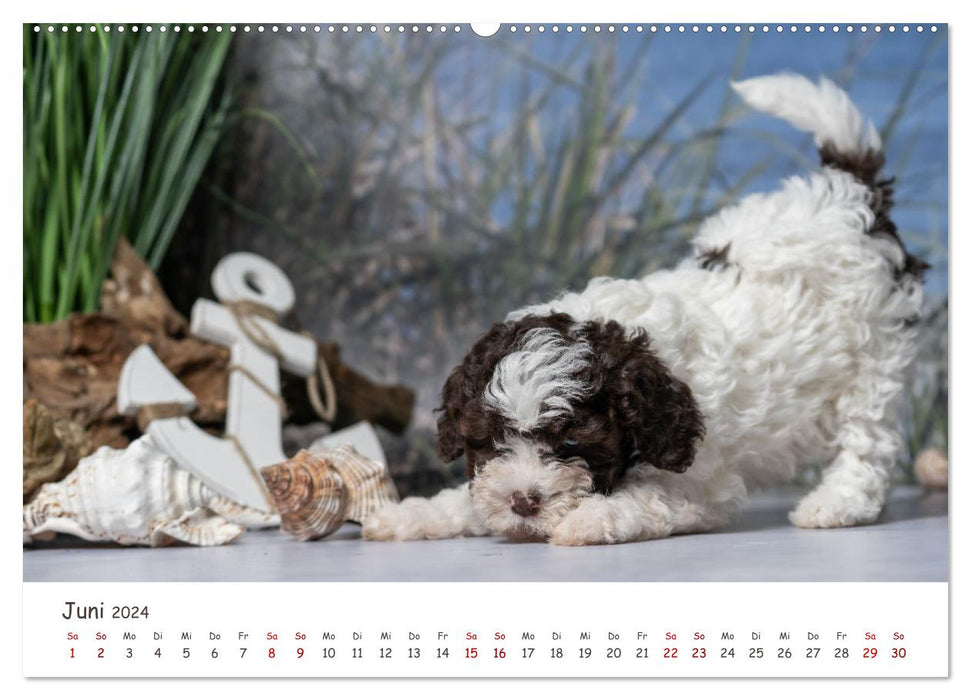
column 523, row 504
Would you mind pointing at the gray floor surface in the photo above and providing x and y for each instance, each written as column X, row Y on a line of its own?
column 908, row 543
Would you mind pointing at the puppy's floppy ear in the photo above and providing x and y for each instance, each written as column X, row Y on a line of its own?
column 464, row 386
column 451, row 444
column 657, row 410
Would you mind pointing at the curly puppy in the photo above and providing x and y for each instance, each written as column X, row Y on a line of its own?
column 637, row 409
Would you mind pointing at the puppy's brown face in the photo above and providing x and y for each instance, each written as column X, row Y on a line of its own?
column 548, row 410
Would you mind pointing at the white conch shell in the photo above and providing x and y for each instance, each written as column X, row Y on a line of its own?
column 135, row 496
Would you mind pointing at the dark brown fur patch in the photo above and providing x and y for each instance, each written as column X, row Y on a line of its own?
column 866, row 166
column 637, row 411
column 714, row 258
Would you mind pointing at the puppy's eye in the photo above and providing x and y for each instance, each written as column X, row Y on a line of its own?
column 567, row 448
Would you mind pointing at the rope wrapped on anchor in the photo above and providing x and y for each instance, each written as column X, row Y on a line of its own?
column 325, row 406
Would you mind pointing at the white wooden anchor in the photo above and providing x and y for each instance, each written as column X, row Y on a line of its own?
column 254, row 411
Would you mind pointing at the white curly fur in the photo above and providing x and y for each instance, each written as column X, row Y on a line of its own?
column 534, row 384
column 796, row 353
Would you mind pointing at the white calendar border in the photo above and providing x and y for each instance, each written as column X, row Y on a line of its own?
column 508, row 10
column 257, row 629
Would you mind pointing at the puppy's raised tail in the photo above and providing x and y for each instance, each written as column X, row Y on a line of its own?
column 846, row 140
column 822, row 109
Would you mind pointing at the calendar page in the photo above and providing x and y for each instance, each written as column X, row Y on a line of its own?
column 514, row 350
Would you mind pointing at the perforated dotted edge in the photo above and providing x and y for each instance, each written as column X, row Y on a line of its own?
column 509, row 28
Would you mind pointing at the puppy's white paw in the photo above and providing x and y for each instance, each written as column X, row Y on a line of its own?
column 592, row 522
column 412, row 519
column 381, row 524
column 827, row 508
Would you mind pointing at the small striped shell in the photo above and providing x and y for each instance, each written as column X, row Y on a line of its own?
column 367, row 484
column 308, row 494
column 930, row 468
column 317, row 490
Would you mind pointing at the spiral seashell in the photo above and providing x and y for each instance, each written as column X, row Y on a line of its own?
column 308, row 493
column 135, row 496
column 367, row 484
column 317, row 490
column 930, row 468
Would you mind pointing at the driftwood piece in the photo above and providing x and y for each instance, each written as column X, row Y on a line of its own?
column 358, row 398
column 133, row 294
column 52, row 448
column 72, row 366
